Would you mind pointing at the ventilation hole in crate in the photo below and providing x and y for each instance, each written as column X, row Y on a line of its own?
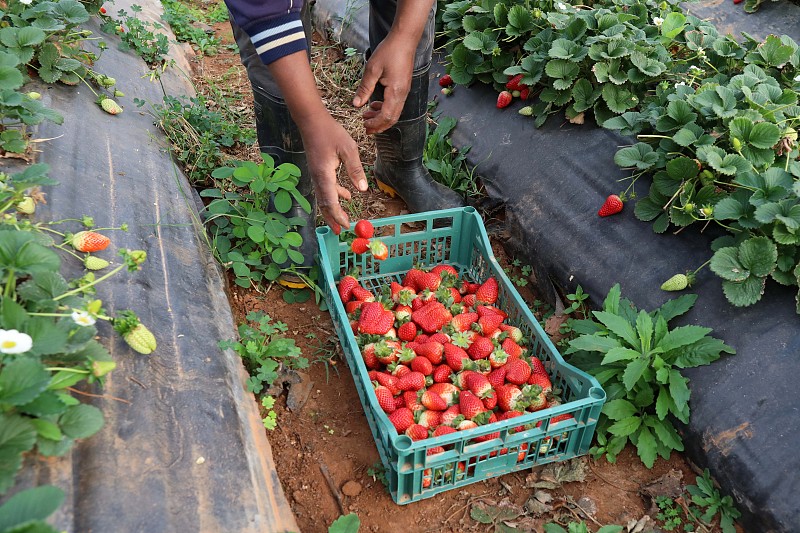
column 388, row 230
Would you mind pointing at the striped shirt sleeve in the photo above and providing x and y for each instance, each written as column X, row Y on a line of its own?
column 274, row 35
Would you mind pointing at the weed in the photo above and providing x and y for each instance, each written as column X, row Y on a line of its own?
column 140, row 36
column 671, row 515
column 183, row 19
column 579, row 527
column 270, row 417
column 710, row 503
column 378, row 473
column 264, row 350
column 446, row 164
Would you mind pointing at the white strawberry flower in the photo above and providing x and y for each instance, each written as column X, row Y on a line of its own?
column 695, row 68
column 797, row 78
column 561, row 6
column 679, row 84
column 13, row 341
column 658, row 21
column 26, row 2
column 83, row 318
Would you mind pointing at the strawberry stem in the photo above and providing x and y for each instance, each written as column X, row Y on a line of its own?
column 701, row 266
column 84, row 287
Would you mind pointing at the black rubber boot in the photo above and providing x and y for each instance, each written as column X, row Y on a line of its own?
column 398, row 168
column 279, row 137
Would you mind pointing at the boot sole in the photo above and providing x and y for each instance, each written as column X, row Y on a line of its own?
column 387, row 189
column 290, row 282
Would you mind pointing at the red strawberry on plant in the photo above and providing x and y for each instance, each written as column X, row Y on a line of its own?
column 488, row 291
column 445, row 81
column 504, row 99
column 385, row 399
column 524, row 92
column 480, row 348
column 518, row 371
column 417, row 432
column 89, row 241
column 364, row 229
column 514, row 83
column 359, row 245
column 402, row 419
column 611, row 206
column 432, row 401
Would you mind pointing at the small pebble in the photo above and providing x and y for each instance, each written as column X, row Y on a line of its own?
column 200, row 460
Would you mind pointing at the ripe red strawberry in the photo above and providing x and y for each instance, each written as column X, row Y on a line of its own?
column 467, row 287
column 504, row 99
column 440, row 269
column 524, row 92
column 399, row 402
column 518, row 371
column 460, row 379
column 612, row 206
column 407, row 332
column 490, row 402
column 441, row 374
column 398, row 370
column 374, row 319
column 435, row 450
column 359, row 245
column 432, row 316
column 497, row 377
column 451, row 415
column 412, row 401
column 429, row 418
column 389, row 381
column 480, row 348
column 89, row 241
column 411, row 277
column 511, row 348
column 379, row 250
column 507, row 415
column 428, row 280
column 445, row 81
column 350, row 307
column 489, row 323
column 439, row 337
column 432, row 351
column 498, row 358
column 542, row 380
column 464, row 321
column 362, row 294
column 514, row 83
column 537, row 367
column 403, row 312
column 464, row 425
column 447, row 391
column 470, row 405
column 537, row 395
column 486, row 310
column 479, row 385
column 364, row 229
column 417, row 303
column 412, row 381
column 370, row 360
column 346, row 286
column 417, row 432
column 432, row 401
column 422, row 365
column 387, row 351
column 523, row 451
column 385, row 399
column 468, row 301
column 443, row 430
column 455, row 356
column 511, row 398
column 487, row 292
column 402, row 419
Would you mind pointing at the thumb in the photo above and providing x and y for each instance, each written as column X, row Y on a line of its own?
column 366, row 87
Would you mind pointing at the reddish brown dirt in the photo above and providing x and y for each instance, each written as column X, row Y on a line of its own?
column 330, row 432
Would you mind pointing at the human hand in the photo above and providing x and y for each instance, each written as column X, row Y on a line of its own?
column 327, row 146
column 391, row 65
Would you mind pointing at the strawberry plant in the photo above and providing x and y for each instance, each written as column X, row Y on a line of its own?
column 249, row 232
column 47, row 336
column 140, row 36
column 638, row 360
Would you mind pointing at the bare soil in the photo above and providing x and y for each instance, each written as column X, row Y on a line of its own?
column 324, row 451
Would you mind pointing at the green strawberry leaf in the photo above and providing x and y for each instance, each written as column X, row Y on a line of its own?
column 759, row 255
column 28, row 506
column 22, row 380
column 640, row 155
column 725, row 264
column 744, row 293
column 17, row 435
column 80, row 421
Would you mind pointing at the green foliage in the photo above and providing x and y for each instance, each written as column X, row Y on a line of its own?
column 28, row 510
column 446, row 164
column 712, row 503
column 250, row 233
column 48, row 340
column 199, row 132
column 182, row 19
column 579, row 527
column 265, row 351
column 140, row 36
column 671, row 515
column 378, row 473
column 346, row 524
column 637, row 359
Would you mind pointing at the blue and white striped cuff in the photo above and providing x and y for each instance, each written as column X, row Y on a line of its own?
column 278, row 37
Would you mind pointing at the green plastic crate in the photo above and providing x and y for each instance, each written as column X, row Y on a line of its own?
column 457, row 237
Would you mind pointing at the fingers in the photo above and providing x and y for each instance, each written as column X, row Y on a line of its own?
column 378, row 119
column 367, row 85
column 353, row 167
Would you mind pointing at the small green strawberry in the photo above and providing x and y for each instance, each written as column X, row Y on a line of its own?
column 118, row 93
column 134, row 332
column 526, row 111
column 101, row 368
column 33, row 95
column 26, row 206
column 95, row 263
column 678, row 282
column 110, row 106
column 107, row 81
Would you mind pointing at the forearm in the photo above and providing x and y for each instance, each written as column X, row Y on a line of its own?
column 410, row 19
column 298, row 87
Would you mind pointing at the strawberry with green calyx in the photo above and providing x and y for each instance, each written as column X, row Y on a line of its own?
column 431, row 317
column 526, row 111
column 447, row 391
column 441, row 374
column 407, row 331
column 537, row 395
column 470, row 405
column 379, row 250
column 481, row 366
column 678, row 282
column 480, row 348
column 26, row 206
column 432, row 401
column 498, row 358
column 478, row 384
column 110, row 106
column 346, row 286
column 134, row 332
column 447, row 91
column 515, row 83
column 611, row 206
column 446, row 81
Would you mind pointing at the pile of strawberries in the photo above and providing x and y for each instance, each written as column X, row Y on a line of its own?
column 441, row 357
